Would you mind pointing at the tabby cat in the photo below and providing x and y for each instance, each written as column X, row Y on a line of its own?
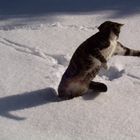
column 89, row 58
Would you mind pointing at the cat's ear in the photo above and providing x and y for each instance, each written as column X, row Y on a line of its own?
column 120, row 24
column 105, row 25
column 100, row 27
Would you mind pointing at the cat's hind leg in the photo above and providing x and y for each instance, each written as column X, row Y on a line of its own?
column 97, row 86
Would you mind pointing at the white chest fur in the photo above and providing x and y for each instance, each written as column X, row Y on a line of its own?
column 109, row 51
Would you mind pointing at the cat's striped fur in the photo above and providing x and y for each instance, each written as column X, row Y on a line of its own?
column 89, row 58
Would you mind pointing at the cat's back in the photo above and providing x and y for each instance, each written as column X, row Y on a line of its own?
column 85, row 48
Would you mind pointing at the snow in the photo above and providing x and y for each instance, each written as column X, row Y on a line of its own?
column 34, row 53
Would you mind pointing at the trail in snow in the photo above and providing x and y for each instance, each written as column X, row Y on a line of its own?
column 55, row 59
column 32, row 61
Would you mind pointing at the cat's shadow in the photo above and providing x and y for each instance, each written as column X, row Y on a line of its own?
column 91, row 95
column 26, row 100
column 32, row 99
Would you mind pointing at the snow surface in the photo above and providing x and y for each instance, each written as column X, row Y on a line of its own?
column 34, row 53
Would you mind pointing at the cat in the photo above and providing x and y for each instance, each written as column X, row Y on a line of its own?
column 89, row 58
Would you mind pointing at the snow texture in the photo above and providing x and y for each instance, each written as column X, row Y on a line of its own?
column 37, row 40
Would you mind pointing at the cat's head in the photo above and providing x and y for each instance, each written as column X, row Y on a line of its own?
column 109, row 26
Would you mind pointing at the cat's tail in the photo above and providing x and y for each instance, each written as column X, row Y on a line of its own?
column 97, row 86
